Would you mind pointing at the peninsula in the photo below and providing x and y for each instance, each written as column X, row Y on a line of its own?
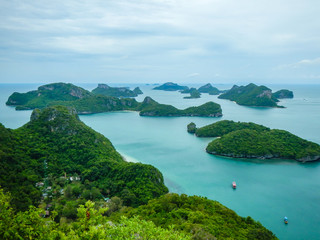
column 250, row 140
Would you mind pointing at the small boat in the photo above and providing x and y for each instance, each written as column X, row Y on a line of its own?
column 234, row 185
column 285, row 220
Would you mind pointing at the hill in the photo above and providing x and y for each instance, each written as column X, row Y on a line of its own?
column 104, row 89
column 251, row 95
column 56, row 144
column 46, row 94
column 170, row 86
column 208, row 88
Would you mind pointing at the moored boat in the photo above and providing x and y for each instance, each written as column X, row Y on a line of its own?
column 234, row 185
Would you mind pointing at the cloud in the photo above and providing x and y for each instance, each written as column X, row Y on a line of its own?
column 204, row 36
column 192, row 75
column 301, row 64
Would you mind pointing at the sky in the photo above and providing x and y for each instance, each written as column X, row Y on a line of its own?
column 157, row 41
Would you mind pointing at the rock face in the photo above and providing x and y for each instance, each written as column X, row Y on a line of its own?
column 170, row 86
column 283, row 93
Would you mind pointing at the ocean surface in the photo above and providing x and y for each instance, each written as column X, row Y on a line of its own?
column 267, row 190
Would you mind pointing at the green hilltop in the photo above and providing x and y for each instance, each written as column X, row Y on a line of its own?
column 56, row 142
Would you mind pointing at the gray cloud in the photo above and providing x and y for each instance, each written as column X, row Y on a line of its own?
column 169, row 38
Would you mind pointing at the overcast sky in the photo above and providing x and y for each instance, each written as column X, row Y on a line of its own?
column 154, row 41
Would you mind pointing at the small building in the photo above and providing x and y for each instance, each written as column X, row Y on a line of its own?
column 39, row 184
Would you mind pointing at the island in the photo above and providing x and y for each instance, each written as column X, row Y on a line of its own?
column 121, row 92
column 61, row 179
column 208, row 88
column 251, row 95
column 151, row 108
column 170, row 86
column 86, row 102
column 283, row 93
column 194, row 93
column 250, row 140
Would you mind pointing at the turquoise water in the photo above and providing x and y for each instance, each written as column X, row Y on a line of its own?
column 267, row 191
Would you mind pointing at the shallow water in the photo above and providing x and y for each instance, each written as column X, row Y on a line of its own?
column 266, row 190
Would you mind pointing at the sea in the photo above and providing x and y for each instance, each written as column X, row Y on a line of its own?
column 267, row 190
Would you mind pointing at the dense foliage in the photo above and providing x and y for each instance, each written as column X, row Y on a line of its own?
column 104, row 89
column 208, row 88
column 273, row 143
column 251, row 95
column 170, row 86
column 283, row 93
column 223, row 127
column 56, row 142
column 98, row 104
column 89, row 224
column 250, row 140
column 203, row 218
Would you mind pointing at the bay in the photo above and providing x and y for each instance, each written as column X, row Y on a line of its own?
column 266, row 190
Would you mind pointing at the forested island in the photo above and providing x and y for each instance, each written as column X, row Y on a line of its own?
column 208, row 88
column 170, row 86
column 253, row 95
column 86, row 102
column 250, row 140
column 85, row 190
column 194, row 93
column 283, row 93
column 122, row 92
column 149, row 107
